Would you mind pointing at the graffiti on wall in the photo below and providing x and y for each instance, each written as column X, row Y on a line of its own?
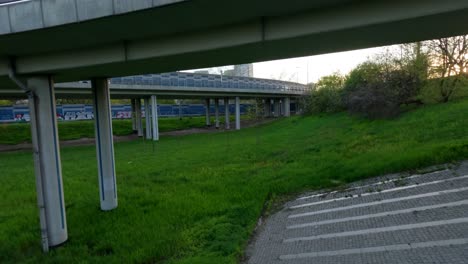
column 78, row 116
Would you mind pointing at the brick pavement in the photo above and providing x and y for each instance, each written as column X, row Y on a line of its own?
column 399, row 218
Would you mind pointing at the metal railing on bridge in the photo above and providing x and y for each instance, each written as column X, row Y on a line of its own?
column 184, row 79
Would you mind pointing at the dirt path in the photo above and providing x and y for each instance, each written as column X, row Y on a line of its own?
column 91, row 141
column 74, row 142
column 212, row 129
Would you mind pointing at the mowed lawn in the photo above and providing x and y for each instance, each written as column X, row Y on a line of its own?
column 197, row 198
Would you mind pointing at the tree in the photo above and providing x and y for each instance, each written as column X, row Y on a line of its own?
column 326, row 95
column 283, row 76
column 366, row 91
column 334, row 81
column 449, row 58
column 378, row 87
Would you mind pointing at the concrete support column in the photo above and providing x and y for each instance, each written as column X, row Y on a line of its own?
column 47, row 164
column 277, row 107
column 281, row 108
column 216, row 113
column 104, row 143
column 180, row 109
column 148, row 118
column 138, row 117
column 133, row 107
column 154, row 117
column 226, row 113
column 287, row 106
column 267, row 107
column 207, row 112
column 272, row 107
column 237, row 113
column 256, row 109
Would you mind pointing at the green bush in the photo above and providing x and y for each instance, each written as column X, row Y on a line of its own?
column 431, row 91
column 326, row 97
column 377, row 90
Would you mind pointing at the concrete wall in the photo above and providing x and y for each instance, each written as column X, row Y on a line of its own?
column 10, row 114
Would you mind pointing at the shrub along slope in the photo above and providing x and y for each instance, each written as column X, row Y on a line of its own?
column 196, row 199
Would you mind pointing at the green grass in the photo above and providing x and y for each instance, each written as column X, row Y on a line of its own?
column 196, row 199
column 20, row 132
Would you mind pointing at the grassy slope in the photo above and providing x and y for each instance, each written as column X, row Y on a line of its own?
column 196, row 199
column 20, row 132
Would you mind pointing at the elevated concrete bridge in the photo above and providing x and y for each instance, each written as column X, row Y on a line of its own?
column 177, row 85
column 48, row 41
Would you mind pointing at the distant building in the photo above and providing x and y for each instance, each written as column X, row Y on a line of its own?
column 202, row 72
column 243, row 70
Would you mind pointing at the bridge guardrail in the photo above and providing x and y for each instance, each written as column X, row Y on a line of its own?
column 182, row 79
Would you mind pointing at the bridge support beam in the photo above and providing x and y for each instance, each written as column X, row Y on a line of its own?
column 227, row 115
column 148, row 118
column 216, row 113
column 154, row 117
column 238, row 125
column 133, row 114
column 47, row 164
column 104, row 143
column 207, row 112
column 138, row 117
column 287, row 107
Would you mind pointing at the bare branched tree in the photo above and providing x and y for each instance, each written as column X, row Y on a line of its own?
column 284, row 76
column 449, row 64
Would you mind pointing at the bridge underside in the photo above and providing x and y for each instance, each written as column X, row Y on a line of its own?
column 194, row 34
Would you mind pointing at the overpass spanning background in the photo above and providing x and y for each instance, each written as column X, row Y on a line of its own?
column 179, row 85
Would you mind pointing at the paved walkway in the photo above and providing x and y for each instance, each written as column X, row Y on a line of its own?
column 392, row 219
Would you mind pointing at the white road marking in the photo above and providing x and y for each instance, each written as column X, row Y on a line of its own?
column 388, row 213
column 380, row 230
column 368, row 185
column 399, row 199
column 383, row 191
column 397, row 247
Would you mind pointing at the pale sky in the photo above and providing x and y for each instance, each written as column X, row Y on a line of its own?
column 297, row 69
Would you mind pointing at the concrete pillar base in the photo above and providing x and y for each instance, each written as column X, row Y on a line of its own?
column 238, row 125
column 266, row 108
column 154, row 117
column 287, row 106
column 207, row 112
column 277, row 108
column 138, row 117
column 104, row 144
column 47, row 164
column 133, row 107
column 217, row 113
column 227, row 122
column 148, row 118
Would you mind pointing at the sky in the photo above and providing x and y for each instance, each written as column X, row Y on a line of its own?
column 311, row 68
